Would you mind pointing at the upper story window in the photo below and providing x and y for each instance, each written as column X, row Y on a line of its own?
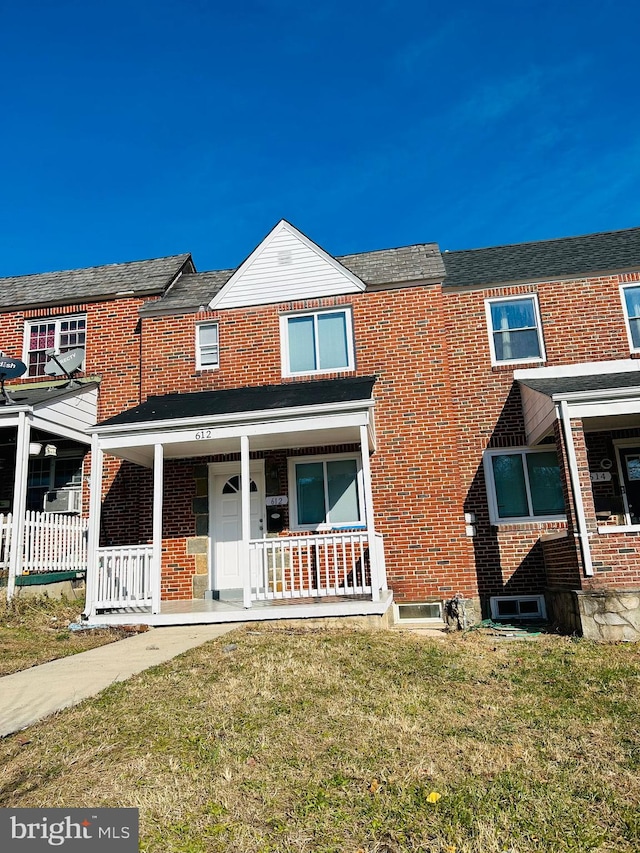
column 207, row 346
column 59, row 334
column 326, row 490
column 523, row 485
column 515, row 330
column 317, row 342
column 631, row 304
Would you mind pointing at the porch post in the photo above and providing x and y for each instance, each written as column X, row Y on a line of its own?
column 368, row 508
column 156, row 567
column 574, row 473
column 19, row 508
column 95, row 512
column 245, row 503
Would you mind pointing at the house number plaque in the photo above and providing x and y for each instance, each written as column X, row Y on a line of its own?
column 600, row 476
column 203, row 434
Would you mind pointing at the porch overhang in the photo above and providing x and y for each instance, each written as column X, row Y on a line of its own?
column 63, row 411
column 605, row 395
column 303, row 414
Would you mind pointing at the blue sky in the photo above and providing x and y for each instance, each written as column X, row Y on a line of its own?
column 138, row 129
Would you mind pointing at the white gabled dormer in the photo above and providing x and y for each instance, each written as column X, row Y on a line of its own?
column 286, row 267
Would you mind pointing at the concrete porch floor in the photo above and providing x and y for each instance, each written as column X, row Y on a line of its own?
column 200, row 611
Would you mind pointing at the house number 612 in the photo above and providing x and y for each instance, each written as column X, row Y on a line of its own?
column 203, row 433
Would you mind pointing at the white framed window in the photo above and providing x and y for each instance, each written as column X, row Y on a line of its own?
column 515, row 329
column 518, row 607
column 326, row 491
column 422, row 612
column 523, row 485
column 59, row 334
column 631, row 306
column 317, row 342
column 207, row 346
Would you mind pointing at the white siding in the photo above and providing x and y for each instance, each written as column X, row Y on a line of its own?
column 287, row 266
column 539, row 414
column 76, row 411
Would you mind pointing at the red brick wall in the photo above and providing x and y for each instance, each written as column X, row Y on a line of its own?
column 112, row 353
column 398, row 338
column 582, row 321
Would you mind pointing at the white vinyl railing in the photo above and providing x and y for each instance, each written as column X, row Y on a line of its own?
column 124, row 577
column 52, row 543
column 314, row 564
column 6, row 528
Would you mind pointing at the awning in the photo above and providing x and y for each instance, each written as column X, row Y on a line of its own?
column 606, row 395
column 294, row 414
column 66, row 411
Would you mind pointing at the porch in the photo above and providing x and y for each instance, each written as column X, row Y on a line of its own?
column 281, row 513
column 319, row 575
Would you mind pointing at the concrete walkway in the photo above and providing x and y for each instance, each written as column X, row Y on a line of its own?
column 36, row 693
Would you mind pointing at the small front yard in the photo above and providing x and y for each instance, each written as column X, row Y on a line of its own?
column 280, row 740
column 34, row 631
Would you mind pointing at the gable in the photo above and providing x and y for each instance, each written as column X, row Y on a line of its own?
column 286, row 266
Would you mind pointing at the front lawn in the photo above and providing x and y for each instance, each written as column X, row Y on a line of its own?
column 312, row 740
column 35, row 630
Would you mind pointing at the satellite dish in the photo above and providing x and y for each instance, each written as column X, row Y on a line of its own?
column 65, row 363
column 11, row 368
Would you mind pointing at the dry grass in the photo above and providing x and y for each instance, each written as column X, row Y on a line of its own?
column 35, row 630
column 335, row 741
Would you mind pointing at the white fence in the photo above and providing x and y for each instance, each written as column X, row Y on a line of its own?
column 313, row 565
column 6, row 529
column 124, row 577
column 52, row 543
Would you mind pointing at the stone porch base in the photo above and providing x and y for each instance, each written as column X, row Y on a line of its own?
column 611, row 615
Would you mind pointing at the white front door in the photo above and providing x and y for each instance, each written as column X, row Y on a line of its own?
column 226, row 524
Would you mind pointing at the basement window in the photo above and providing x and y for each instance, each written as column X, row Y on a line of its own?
column 518, row 607
column 428, row 611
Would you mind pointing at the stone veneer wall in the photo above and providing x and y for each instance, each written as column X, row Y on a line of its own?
column 611, row 615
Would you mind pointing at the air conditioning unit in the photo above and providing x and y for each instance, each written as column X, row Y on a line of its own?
column 63, row 500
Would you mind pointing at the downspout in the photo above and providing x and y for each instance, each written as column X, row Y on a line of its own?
column 581, row 522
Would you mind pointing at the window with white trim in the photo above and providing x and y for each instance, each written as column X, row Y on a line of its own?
column 326, row 490
column 515, row 330
column 59, row 334
column 207, row 346
column 317, row 342
column 631, row 305
column 523, row 485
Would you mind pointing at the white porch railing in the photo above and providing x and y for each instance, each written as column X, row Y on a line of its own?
column 124, row 577
column 52, row 543
column 6, row 528
column 315, row 564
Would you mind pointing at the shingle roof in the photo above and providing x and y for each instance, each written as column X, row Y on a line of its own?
column 251, row 399
column 68, row 286
column 189, row 293
column 422, row 262
column 592, row 382
column 545, row 260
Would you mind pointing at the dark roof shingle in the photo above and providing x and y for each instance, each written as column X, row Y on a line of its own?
column 544, row 260
column 68, row 286
column 591, row 382
column 250, row 399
